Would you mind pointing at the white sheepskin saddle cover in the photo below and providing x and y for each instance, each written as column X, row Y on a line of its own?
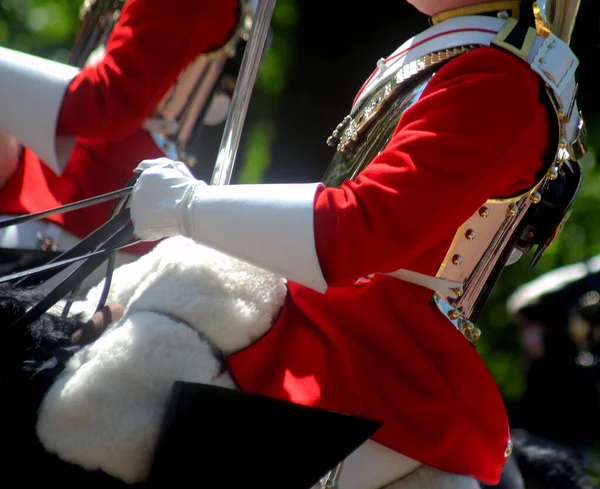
column 105, row 409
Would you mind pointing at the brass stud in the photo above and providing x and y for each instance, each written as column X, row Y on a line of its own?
column 470, row 234
column 553, row 173
column 458, row 291
column 535, row 197
column 453, row 313
column 562, row 116
column 457, row 259
column 508, row 449
column 563, row 143
column 512, row 209
column 484, row 211
column 475, row 334
column 468, row 327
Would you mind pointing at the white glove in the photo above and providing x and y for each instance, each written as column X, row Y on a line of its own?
column 160, row 198
column 268, row 226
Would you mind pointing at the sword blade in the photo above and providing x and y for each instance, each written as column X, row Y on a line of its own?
column 242, row 92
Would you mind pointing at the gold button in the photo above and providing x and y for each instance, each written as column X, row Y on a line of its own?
column 553, row 173
column 458, row 291
column 453, row 313
column 512, row 209
column 535, row 197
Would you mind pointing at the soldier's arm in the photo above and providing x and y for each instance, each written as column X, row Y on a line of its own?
column 477, row 132
column 153, row 41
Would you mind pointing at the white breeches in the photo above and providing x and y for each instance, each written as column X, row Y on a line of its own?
column 373, row 466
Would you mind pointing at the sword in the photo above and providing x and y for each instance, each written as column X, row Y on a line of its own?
column 242, row 92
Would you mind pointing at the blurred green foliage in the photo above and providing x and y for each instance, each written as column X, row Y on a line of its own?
column 42, row 27
column 269, row 88
column 47, row 28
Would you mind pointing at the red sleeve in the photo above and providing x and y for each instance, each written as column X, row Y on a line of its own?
column 477, row 132
column 153, row 41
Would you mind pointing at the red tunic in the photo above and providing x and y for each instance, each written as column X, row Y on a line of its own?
column 106, row 105
column 381, row 350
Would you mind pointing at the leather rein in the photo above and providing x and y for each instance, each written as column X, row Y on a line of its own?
column 93, row 250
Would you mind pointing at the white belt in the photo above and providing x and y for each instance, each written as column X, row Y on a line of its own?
column 36, row 235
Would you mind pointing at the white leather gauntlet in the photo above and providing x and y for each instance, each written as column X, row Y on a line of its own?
column 269, row 226
column 158, row 198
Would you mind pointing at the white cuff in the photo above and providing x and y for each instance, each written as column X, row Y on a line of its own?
column 30, row 100
column 269, row 226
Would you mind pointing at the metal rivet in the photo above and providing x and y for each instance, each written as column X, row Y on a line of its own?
column 562, row 116
column 535, row 197
column 512, row 209
column 468, row 327
column 484, row 211
column 458, row 291
column 508, row 449
column 470, row 234
column 475, row 334
column 553, row 173
column 563, row 143
column 457, row 259
column 453, row 313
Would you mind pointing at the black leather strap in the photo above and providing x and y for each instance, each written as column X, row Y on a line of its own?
column 66, row 208
column 89, row 244
column 116, row 232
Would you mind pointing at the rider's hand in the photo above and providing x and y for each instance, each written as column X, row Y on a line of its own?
column 160, row 197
